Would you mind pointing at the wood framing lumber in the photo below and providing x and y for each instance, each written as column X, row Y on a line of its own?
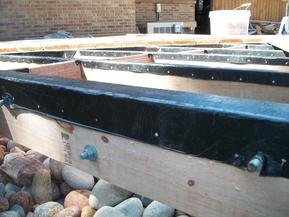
column 222, row 88
column 67, row 69
column 120, row 41
column 179, row 121
column 197, row 186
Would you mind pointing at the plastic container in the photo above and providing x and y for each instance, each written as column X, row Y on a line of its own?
column 230, row 22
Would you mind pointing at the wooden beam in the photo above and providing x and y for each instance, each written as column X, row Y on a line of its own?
column 222, row 88
column 197, row 186
column 120, row 41
column 67, row 69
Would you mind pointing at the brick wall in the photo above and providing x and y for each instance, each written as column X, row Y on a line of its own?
column 21, row 19
column 172, row 10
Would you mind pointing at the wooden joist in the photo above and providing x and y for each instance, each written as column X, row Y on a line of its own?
column 200, row 187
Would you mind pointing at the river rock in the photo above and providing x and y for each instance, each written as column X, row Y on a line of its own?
column 41, row 186
column 106, row 194
column 9, row 194
column 48, row 209
column 129, row 208
column 4, row 178
column 11, row 187
column 2, row 153
column 33, row 155
column 20, row 168
column 77, row 179
column 56, row 169
column 26, row 173
column 55, row 190
column 27, row 189
column 11, row 156
column 46, row 163
column 2, row 190
column 18, row 209
column 87, row 211
column 3, row 141
column 158, row 209
column 17, row 150
column 4, row 204
column 182, row 216
column 72, row 211
column 9, row 214
column 65, row 188
column 13, row 162
column 107, row 211
column 77, row 198
column 24, row 199
column 11, row 144
column 30, row 214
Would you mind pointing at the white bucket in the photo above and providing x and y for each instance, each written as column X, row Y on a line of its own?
column 230, row 22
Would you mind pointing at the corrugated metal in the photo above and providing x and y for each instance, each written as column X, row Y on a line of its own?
column 268, row 10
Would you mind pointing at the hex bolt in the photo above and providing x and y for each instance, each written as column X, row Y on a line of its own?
column 256, row 163
column 89, row 153
column 7, row 100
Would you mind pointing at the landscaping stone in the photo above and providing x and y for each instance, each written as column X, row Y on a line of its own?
column 4, row 204
column 56, row 169
column 41, row 186
column 157, row 209
column 77, row 198
column 65, row 189
column 129, row 208
column 4, row 178
column 55, row 190
column 106, row 194
column 46, row 164
column 27, row 189
column 87, row 211
column 17, row 208
column 9, row 194
column 48, row 209
column 11, row 144
column 11, row 156
column 70, row 211
column 26, row 173
column 77, row 179
column 9, row 214
column 24, row 199
column 2, row 190
column 11, row 187
column 30, row 214
column 4, row 141
column 17, row 150
column 20, row 168
column 33, row 155
column 2, row 153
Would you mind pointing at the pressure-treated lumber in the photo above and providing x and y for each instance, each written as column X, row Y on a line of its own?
column 67, row 69
column 120, row 41
column 197, row 186
column 165, row 82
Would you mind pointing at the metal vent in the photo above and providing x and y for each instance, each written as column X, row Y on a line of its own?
column 157, row 28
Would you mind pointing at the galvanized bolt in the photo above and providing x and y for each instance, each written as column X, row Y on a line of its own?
column 7, row 101
column 89, row 153
column 256, row 163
